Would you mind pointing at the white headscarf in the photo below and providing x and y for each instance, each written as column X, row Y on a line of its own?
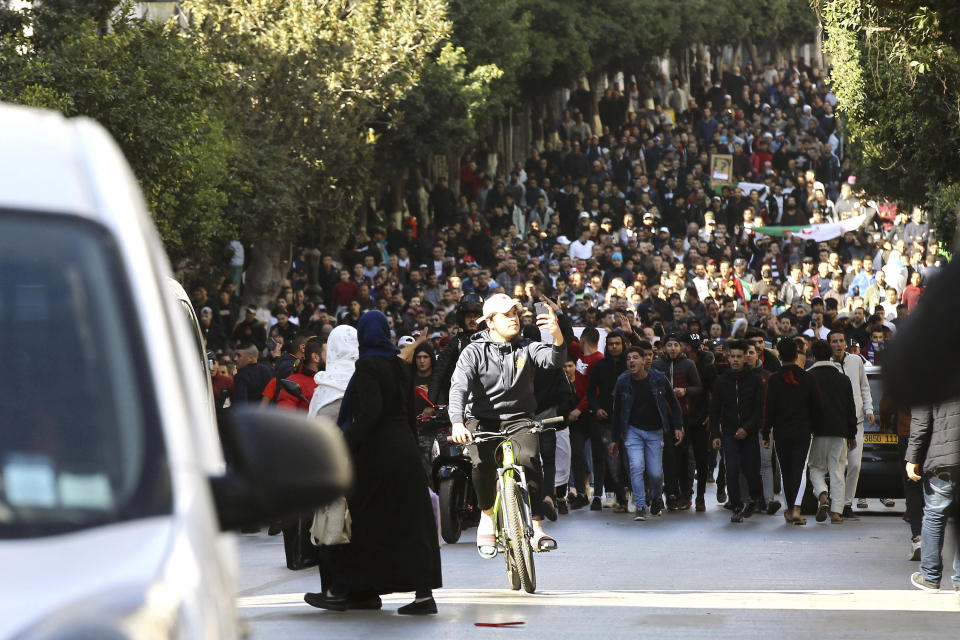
column 342, row 353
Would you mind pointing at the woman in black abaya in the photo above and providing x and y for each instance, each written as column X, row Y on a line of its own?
column 394, row 546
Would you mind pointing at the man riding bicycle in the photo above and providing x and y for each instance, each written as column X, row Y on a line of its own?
column 492, row 389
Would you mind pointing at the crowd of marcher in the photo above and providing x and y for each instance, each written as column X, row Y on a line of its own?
column 686, row 330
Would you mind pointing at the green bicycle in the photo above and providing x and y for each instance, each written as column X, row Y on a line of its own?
column 511, row 510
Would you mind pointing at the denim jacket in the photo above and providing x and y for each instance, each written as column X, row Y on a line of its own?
column 667, row 404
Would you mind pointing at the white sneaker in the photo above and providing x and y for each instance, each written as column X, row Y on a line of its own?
column 915, row 549
column 631, row 505
column 609, row 500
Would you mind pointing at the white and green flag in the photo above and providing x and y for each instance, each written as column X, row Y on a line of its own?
column 816, row 232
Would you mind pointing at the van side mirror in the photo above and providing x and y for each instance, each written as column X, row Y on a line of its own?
column 284, row 462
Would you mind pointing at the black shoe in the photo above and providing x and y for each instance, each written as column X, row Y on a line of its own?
column 321, row 601
column 365, row 604
column 737, row 515
column 729, row 506
column 423, row 608
column 721, row 496
column 596, row 504
column 701, row 505
column 562, row 507
column 748, row 508
column 823, row 507
column 671, row 503
column 550, row 511
column 657, row 507
column 579, row 502
column 773, row 506
column 275, row 528
column 641, row 515
column 848, row 512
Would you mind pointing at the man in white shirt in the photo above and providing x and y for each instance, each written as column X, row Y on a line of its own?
column 853, row 369
column 817, row 330
column 583, row 247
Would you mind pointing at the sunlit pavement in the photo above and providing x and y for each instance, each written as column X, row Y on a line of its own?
column 681, row 575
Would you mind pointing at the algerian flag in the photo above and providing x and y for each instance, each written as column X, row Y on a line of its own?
column 816, row 232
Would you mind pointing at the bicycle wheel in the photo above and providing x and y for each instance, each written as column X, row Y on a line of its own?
column 503, row 543
column 512, row 576
column 519, row 544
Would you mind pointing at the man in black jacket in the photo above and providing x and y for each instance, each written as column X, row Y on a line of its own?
column 685, row 380
column 468, row 315
column 252, row 376
column 735, row 412
column 600, row 384
column 697, row 426
column 834, row 433
column 555, row 397
column 791, row 409
column 934, row 438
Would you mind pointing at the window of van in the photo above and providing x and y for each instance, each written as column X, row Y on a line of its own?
column 80, row 437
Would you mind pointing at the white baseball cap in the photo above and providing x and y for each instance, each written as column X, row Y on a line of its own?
column 405, row 340
column 499, row 303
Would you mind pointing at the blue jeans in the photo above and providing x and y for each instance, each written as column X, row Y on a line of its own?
column 645, row 453
column 940, row 500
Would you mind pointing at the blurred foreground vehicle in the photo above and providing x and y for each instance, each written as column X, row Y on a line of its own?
column 114, row 495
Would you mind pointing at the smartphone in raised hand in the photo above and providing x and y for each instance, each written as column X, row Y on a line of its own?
column 542, row 308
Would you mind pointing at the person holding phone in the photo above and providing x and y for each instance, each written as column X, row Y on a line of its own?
column 492, row 387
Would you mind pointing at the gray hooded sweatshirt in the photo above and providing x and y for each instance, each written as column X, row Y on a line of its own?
column 494, row 380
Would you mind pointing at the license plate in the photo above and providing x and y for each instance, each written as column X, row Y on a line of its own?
column 881, row 438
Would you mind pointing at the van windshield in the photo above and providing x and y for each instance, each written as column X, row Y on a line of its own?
column 80, row 441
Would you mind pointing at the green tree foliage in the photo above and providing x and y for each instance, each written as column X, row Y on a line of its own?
column 310, row 77
column 308, row 80
column 896, row 71
column 443, row 113
column 560, row 43
column 618, row 44
column 492, row 37
column 154, row 90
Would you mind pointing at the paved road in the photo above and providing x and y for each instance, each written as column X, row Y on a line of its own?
column 678, row 576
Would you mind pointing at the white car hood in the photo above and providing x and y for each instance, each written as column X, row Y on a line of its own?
column 44, row 575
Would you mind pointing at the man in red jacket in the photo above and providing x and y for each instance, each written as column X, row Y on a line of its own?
column 303, row 377
column 583, row 426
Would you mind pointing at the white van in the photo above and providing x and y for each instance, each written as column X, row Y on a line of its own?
column 113, row 490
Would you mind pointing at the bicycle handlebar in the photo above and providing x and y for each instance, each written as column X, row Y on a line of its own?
column 536, row 426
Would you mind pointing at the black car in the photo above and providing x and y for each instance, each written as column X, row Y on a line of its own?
column 881, row 469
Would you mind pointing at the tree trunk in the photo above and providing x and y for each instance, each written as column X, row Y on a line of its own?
column 754, row 56
column 593, row 81
column 453, row 171
column 269, row 261
column 498, row 146
column 817, row 57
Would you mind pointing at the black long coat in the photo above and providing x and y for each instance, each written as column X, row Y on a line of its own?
column 394, row 546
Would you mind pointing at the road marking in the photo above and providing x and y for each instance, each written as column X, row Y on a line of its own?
column 815, row 600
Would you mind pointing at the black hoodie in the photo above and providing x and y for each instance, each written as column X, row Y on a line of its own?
column 792, row 406
column 603, row 378
column 737, row 402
